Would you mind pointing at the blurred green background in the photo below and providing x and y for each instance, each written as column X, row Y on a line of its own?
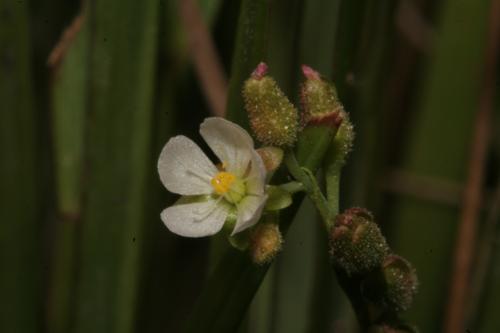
column 90, row 92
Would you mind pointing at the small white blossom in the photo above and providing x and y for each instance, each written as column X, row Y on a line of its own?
column 235, row 186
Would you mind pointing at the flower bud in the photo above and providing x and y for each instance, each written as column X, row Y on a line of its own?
column 265, row 242
column 271, row 156
column 319, row 100
column 274, row 120
column 277, row 198
column 342, row 142
column 393, row 286
column 402, row 282
column 356, row 243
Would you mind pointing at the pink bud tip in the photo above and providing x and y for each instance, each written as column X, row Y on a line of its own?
column 260, row 71
column 310, row 73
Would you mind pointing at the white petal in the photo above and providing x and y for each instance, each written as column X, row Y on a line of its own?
column 184, row 168
column 249, row 212
column 195, row 219
column 256, row 178
column 231, row 143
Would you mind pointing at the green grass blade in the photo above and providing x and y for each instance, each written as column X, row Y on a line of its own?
column 294, row 285
column 438, row 147
column 68, row 99
column 320, row 22
column 366, row 112
column 250, row 49
column 486, row 314
column 270, row 307
column 304, row 33
column 69, row 91
column 122, row 64
column 283, row 42
column 20, row 236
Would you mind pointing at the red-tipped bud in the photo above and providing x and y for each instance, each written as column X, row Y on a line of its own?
column 319, row 101
column 260, row 71
column 274, row 120
column 310, row 73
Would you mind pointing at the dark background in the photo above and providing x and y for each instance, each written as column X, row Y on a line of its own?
column 91, row 91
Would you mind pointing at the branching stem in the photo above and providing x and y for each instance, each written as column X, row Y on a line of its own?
column 311, row 187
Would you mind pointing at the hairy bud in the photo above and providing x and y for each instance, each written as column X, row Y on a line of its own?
column 393, row 286
column 271, row 156
column 265, row 242
column 319, row 100
column 356, row 243
column 342, row 143
column 274, row 120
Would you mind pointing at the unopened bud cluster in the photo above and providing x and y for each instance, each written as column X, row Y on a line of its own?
column 359, row 249
column 274, row 119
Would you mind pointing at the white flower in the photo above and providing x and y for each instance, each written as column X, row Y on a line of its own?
column 236, row 186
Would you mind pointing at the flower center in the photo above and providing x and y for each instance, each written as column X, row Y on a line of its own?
column 222, row 182
column 227, row 185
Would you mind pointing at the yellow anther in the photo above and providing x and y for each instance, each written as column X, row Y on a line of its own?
column 222, row 182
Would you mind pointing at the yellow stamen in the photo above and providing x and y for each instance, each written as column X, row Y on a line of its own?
column 222, row 182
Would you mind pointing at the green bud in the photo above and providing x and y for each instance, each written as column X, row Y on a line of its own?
column 319, row 100
column 393, row 286
column 240, row 241
column 271, row 156
column 342, row 142
column 274, row 120
column 356, row 243
column 265, row 243
column 277, row 199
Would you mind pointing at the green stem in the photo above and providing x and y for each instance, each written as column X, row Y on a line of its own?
column 305, row 176
column 334, row 161
column 332, row 179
